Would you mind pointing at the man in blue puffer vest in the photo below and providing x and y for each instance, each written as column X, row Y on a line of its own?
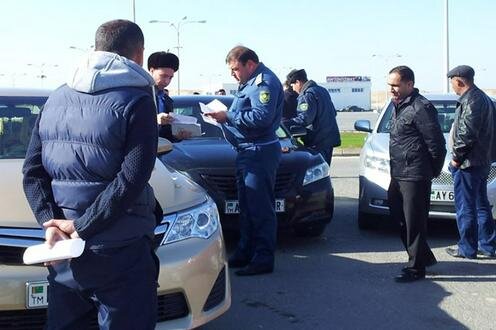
column 86, row 175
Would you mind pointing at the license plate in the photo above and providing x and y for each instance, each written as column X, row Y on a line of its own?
column 37, row 294
column 232, row 207
column 442, row 196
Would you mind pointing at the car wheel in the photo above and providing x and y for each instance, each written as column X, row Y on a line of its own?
column 367, row 221
column 310, row 230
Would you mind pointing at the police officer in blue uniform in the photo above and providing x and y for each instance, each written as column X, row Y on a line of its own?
column 316, row 113
column 250, row 126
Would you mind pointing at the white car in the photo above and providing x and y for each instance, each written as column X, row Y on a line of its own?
column 374, row 174
column 194, row 285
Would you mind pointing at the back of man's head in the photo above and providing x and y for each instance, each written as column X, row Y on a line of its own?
column 120, row 36
column 295, row 75
column 163, row 60
column 241, row 54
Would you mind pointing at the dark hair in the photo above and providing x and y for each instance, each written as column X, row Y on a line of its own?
column 241, row 54
column 119, row 36
column 163, row 60
column 406, row 74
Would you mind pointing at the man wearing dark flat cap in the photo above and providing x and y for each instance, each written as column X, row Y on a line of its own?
column 315, row 112
column 472, row 142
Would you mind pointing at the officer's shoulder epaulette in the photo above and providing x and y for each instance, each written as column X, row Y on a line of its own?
column 259, row 79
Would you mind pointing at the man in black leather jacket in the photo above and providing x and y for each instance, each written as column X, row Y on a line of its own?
column 472, row 143
column 417, row 152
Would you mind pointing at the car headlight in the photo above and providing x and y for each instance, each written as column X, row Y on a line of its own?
column 315, row 173
column 377, row 163
column 200, row 222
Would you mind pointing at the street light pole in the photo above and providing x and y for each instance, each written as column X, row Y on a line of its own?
column 386, row 59
column 42, row 66
column 177, row 26
column 446, row 48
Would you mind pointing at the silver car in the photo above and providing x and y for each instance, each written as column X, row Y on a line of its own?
column 374, row 174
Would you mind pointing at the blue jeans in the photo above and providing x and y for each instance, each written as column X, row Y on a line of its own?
column 473, row 212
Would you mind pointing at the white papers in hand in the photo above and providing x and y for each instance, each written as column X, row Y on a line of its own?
column 212, row 106
column 64, row 249
column 193, row 128
column 182, row 119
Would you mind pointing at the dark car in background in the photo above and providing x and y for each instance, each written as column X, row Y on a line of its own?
column 304, row 193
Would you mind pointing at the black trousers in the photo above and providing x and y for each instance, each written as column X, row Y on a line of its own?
column 409, row 203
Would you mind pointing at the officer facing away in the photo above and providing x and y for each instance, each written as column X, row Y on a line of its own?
column 86, row 175
column 316, row 113
column 250, row 126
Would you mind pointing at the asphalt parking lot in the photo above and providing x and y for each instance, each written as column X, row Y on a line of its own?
column 344, row 279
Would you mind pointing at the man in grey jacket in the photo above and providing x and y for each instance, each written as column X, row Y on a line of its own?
column 86, row 175
column 472, row 143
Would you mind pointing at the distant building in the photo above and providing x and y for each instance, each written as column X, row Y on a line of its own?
column 230, row 88
column 347, row 91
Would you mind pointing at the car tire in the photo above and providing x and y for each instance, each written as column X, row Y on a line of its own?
column 367, row 221
column 310, row 230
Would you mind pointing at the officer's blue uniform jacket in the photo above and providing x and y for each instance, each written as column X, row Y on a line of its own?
column 256, row 112
column 316, row 112
column 83, row 130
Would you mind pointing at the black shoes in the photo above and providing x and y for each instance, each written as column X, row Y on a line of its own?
column 235, row 262
column 457, row 254
column 409, row 275
column 255, row 269
column 429, row 263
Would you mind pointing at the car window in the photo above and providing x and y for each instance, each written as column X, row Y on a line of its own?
column 445, row 115
column 17, row 118
column 208, row 130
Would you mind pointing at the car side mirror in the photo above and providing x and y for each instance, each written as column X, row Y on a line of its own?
column 164, row 146
column 363, row 126
column 297, row 131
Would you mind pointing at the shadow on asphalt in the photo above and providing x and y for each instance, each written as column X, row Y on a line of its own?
column 321, row 282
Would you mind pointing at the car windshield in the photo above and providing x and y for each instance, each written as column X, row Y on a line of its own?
column 208, row 130
column 445, row 115
column 17, row 118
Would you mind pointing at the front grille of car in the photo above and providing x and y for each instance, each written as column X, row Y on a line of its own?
column 446, row 179
column 218, row 292
column 170, row 306
column 443, row 208
column 227, row 183
column 11, row 255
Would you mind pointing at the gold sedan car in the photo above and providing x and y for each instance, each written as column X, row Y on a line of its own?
column 194, row 285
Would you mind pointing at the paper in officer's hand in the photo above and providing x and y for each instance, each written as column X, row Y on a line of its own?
column 213, row 106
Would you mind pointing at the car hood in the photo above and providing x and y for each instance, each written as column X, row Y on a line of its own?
column 200, row 153
column 378, row 143
column 173, row 190
column 216, row 153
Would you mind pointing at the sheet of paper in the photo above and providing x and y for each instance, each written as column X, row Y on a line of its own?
column 214, row 105
column 193, row 128
column 211, row 121
column 65, row 249
column 182, row 119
